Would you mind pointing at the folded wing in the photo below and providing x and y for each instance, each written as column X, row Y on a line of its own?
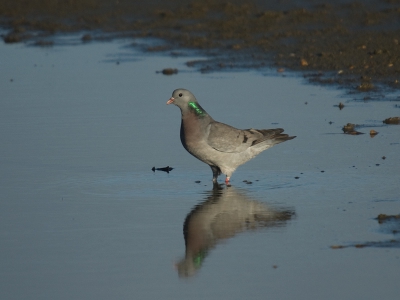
column 226, row 138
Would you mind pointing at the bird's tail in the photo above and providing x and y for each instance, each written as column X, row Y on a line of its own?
column 272, row 136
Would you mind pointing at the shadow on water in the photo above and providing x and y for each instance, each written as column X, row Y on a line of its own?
column 225, row 212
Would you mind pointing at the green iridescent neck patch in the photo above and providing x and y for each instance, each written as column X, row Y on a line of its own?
column 196, row 108
column 198, row 259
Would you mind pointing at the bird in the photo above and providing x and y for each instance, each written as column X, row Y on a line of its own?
column 221, row 146
column 223, row 214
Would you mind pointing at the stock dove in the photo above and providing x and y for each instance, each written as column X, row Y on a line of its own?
column 221, row 146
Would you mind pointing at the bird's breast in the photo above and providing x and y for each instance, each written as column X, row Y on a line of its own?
column 193, row 131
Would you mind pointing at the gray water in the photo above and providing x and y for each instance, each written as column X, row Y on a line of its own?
column 83, row 216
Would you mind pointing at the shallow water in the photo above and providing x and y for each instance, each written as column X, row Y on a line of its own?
column 83, row 216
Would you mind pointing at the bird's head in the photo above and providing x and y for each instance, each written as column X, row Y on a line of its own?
column 186, row 101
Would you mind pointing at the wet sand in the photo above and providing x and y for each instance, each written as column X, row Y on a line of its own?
column 348, row 43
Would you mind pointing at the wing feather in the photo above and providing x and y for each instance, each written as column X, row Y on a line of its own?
column 226, row 138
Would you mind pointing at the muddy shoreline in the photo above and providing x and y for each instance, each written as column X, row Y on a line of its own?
column 349, row 43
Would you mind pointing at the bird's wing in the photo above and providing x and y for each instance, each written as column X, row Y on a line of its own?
column 226, row 138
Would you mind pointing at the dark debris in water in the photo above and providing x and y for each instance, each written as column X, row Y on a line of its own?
column 392, row 120
column 349, row 128
column 340, row 105
column 168, row 71
column 394, row 243
column 382, row 218
column 388, row 224
column 165, row 169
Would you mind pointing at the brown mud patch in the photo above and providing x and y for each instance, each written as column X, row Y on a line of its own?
column 349, row 43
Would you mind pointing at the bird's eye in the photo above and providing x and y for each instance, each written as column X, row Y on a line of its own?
column 180, row 94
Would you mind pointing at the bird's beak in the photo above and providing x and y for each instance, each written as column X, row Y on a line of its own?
column 171, row 100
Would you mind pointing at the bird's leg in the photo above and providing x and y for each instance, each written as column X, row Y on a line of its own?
column 227, row 179
column 216, row 171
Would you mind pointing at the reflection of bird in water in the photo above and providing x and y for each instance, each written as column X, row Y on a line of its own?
column 224, row 213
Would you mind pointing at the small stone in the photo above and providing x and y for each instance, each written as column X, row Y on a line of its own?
column 169, row 71
column 373, row 133
column 392, row 120
column 348, row 127
column 337, row 247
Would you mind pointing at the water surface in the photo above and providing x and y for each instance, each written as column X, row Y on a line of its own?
column 83, row 216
